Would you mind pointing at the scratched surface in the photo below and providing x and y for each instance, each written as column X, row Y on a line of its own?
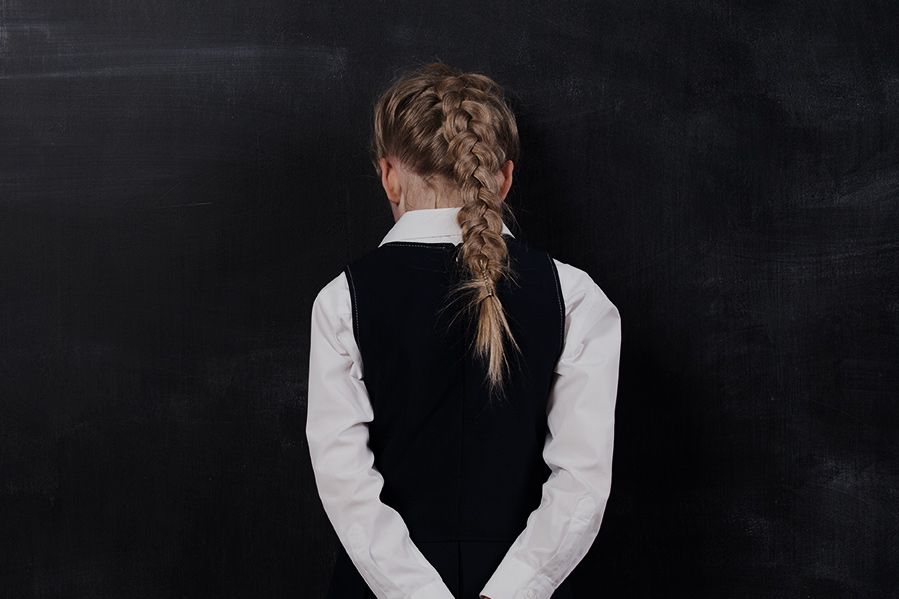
column 179, row 178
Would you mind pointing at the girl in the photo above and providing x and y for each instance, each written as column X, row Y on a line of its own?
column 462, row 383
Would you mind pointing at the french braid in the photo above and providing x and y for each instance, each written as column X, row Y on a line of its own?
column 457, row 126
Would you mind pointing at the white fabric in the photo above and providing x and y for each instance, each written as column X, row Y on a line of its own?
column 578, row 448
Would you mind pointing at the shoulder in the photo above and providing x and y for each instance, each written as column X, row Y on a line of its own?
column 339, row 287
column 334, row 296
column 579, row 288
column 576, row 286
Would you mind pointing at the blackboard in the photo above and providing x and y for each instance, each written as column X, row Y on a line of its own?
column 179, row 178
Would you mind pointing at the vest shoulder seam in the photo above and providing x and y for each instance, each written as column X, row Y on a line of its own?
column 355, row 304
column 561, row 300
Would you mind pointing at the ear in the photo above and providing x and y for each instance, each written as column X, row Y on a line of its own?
column 390, row 180
column 504, row 177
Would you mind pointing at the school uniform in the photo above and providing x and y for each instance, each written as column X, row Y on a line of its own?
column 433, row 491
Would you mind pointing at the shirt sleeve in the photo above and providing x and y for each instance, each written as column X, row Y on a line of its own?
column 578, row 448
column 373, row 533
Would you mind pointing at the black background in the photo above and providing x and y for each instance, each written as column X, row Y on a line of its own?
column 179, row 179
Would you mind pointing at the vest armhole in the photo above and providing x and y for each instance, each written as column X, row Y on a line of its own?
column 561, row 299
column 354, row 304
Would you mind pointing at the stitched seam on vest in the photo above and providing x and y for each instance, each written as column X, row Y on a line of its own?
column 434, row 246
column 561, row 303
column 355, row 307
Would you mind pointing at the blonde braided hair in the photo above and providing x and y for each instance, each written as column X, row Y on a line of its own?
column 456, row 127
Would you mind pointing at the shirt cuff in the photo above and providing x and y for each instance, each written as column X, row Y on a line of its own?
column 433, row 590
column 515, row 579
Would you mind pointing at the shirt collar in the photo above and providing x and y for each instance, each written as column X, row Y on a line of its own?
column 429, row 225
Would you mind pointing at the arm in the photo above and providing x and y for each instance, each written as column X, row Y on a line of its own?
column 373, row 533
column 578, row 448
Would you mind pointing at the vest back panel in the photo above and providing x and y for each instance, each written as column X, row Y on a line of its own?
column 455, row 466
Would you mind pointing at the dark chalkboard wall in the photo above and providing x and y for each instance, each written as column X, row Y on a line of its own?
column 178, row 179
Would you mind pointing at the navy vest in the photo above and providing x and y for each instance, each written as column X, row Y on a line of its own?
column 455, row 467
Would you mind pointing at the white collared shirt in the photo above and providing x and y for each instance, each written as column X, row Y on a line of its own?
column 578, row 447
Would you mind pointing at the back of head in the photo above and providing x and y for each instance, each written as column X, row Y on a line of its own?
column 454, row 130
